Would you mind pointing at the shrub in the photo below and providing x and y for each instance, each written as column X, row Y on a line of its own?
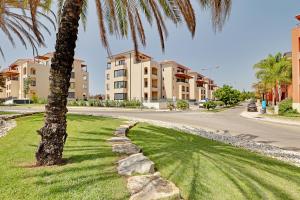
column 210, row 105
column 182, row 105
column 286, row 107
column 34, row 98
column 171, row 106
column 219, row 103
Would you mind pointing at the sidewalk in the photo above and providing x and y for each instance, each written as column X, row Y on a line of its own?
column 261, row 117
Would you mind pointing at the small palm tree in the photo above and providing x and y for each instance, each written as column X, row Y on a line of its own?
column 15, row 21
column 273, row 72
column 120, row 17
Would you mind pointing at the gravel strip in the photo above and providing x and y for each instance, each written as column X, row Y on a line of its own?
column 6, row 126
column 225, row 137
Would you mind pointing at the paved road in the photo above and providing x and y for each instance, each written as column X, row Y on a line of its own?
column 284, row 136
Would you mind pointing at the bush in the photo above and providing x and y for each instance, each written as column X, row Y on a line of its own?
column 219, row 103
column 171, row 106
column 34, row 99
column 210, row 105
column 286, row 107
column 182, row 105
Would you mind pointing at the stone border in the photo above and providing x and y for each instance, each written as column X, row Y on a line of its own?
column 7, row 122
column 291, row 157
column 148, row 184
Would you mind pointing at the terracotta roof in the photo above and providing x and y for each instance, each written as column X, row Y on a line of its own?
column 127, row 52
column 182, row 75
column 175, row 63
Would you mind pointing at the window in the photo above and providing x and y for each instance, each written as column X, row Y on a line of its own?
column 120, row 73
column 72, row 85
column 107, row 86
column 24, row 71
column 145, row 70
column 120, row 62
column 120, row 84
column 107, row 77
column 145, row 82
column 187, row 89
column 71, row 95
column 183, row 89
column 108, row 66
column 33, row 83
column 120, row 96
column 72, row 74
column 32, row 71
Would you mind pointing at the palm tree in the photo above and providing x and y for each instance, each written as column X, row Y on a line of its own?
column 273, row 72
column 120, row 17
column 16, row 21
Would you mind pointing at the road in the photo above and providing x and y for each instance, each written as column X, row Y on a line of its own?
column 281, row 135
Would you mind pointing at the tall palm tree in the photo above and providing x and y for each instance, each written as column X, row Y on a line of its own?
column 15, row 20
column 120, row 17
column 273, row 72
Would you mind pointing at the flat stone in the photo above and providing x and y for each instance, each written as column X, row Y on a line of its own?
column 118, row 139
column 126, row 148
column 121, row 131
column 136, row 163
column 149, row 187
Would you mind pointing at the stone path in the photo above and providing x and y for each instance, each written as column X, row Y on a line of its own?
column 143, row 182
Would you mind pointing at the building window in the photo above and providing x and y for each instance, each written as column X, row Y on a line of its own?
column 72, row 74
column 187, row 89
column 120, row 96
column 32, row 71
column 71, row 95
column 107, row 86
column 107, row 77
column 33, row 83
column 145, row 82
column 120, row 62
column 120, row 84
column 108, row 66
column 146, row 70
column 120, row 73
column 72, row 85
column 183, row 89
column 24, row 71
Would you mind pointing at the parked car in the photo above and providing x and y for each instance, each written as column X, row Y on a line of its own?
column 201, row 103
column 251, row 107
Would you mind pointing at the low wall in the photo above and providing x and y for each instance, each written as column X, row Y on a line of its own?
column 155, row 105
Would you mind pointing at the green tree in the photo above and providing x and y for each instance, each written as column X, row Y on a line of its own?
column 228, row 95
column 274, row 71
column 122, row 17
column 26, row 86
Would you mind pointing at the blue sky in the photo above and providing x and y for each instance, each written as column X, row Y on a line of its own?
column 255, row 29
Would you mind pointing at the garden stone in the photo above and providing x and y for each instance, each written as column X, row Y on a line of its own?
column 121, row 131
column 136, row 163
column 119, row 139
column 149, row 187
column 126, row 148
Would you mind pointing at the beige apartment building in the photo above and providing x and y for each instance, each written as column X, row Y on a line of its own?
column 127, row 77
column 149, row 81
column 296, row 65
column 37, row 70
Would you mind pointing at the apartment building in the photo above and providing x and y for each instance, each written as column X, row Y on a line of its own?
column 37, row 71
column 296, row 65
column 197, row 86
column 131, row 76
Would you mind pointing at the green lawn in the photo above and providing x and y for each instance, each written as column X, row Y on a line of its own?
column 204, row 169
column 290, row 116
column 7, row 113
column 89, row 174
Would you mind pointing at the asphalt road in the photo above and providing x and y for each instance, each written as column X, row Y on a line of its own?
column 281, row 135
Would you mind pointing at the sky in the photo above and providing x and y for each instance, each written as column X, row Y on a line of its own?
column 255, row 29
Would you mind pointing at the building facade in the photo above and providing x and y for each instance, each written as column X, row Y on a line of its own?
column 148, row 80
column 296, row 65
column 35, row 73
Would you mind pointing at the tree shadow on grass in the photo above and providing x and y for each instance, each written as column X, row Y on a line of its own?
column 202, row 168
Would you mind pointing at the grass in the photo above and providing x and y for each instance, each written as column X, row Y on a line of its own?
column 287, row 116
column 204, row 169
column 89, row 174
column 7, row 113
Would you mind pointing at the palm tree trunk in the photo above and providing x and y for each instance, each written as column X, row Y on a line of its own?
column 279, row 92
column 53, row 134
column 273, row 96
